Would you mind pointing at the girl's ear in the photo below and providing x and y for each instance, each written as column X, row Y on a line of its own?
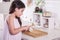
column 16, row 9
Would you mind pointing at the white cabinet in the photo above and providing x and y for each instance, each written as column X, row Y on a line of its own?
column 43, row 23
column 38, row 20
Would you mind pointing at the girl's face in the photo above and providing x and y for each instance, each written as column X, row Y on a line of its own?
column 19, row 12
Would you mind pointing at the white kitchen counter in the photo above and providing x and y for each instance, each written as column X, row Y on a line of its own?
column 51, row 35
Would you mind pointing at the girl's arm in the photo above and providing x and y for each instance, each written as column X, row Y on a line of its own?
column 12, row 29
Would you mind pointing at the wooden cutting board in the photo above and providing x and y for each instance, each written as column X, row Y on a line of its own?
column 36, row 33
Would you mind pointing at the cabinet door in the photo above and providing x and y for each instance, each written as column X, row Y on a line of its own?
column 36, row 19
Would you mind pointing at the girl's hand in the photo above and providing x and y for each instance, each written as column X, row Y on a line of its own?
column 26, row 28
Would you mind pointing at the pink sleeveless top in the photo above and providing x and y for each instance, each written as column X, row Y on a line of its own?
column 7, row 35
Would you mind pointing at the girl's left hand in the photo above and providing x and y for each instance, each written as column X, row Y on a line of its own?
column 27, row 28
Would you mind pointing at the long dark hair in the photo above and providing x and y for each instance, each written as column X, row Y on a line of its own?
column 16, row 4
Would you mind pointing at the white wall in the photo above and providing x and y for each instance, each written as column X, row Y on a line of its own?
column 0, row 0
column 4, row 7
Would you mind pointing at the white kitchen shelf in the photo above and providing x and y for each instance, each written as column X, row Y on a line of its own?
column 42, row 18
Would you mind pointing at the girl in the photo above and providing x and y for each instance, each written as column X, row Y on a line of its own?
column 13, row 24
